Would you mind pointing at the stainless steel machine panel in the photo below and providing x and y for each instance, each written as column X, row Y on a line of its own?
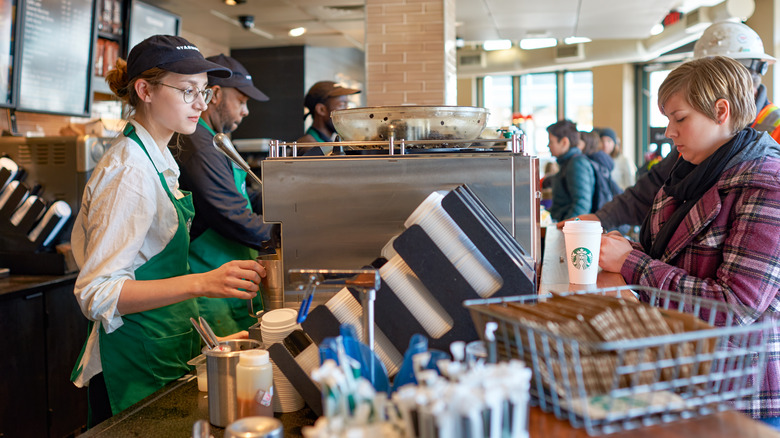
column 61, row 165
column 338, row 213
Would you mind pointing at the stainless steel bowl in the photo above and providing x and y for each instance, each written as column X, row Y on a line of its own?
column 411, row 123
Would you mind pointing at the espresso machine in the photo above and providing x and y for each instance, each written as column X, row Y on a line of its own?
column 339, row 211
column 50, row 179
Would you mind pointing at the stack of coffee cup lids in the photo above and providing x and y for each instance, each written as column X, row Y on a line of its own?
column 275, row 326
column 455, row 245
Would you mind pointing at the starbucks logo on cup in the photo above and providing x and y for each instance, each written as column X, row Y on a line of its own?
column 581, row 258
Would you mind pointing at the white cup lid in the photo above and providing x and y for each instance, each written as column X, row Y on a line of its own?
column 582, row 226
column 279, row 318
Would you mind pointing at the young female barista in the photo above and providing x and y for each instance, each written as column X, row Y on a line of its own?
column 712, row 229
column 131, row 236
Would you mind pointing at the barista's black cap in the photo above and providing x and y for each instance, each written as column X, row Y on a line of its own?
column 322, row 91
column 170, row 53
column 240, row 79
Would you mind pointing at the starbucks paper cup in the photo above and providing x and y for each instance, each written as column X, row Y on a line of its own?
column 583, row 243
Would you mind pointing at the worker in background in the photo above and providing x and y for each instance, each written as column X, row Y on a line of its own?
column 323, row 98
column 225, row 227
column 736, row 41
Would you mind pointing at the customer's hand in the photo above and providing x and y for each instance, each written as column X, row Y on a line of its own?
column 614, row 251
column 582, row 217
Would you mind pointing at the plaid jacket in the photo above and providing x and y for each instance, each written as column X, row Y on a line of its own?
column 727, row 249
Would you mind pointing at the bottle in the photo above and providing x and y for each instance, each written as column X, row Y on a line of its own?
column 254, row 384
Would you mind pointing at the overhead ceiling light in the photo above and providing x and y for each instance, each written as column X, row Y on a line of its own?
column 537, row 43
column 234, row 2
column 656, row 29
column 576, row 40
column 497, row 45
column 298, row 31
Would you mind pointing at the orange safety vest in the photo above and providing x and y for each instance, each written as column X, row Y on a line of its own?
column 768, row 120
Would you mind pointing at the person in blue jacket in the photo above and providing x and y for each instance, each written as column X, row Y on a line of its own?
column 572, row 192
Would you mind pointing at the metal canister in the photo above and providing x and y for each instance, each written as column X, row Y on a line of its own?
column 255, row 427
column 273, row 282
column 221, row 371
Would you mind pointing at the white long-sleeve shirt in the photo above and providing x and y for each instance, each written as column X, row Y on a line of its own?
column 125, row 219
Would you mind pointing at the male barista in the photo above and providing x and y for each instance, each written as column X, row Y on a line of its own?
column 323, row 98
column 225, row 227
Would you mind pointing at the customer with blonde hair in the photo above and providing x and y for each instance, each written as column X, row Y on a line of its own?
column 712, row 230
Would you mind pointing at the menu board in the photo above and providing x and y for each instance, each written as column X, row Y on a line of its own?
column 55, row 61
column 147, row 20
column 7, row 26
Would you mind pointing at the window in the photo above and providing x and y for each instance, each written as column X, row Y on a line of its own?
column 578, row 98
column 657, row 120
column 498, row 100
column 539, row 100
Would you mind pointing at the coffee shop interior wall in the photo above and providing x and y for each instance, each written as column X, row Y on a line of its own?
column 285, row 74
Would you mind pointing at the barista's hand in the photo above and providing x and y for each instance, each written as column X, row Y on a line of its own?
column 225, row 281
column 614, row 251
column 582, row 217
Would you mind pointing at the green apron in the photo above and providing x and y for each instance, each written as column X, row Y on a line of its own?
column 211, row 250
column 152, row 347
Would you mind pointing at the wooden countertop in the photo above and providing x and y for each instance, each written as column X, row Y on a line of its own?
column 13, row 285
column 727, row 424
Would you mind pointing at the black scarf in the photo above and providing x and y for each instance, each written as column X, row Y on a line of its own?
column 687, row 183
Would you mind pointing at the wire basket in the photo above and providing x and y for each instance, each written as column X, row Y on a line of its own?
column 638, row 382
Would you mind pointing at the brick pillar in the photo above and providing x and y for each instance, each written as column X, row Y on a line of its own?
column 410, row 52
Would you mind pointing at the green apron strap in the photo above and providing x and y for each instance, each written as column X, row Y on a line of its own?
column 211, row 250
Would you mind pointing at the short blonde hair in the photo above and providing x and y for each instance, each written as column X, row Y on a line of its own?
column 704, row 81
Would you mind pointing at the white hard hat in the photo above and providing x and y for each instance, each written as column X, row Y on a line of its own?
column 731, row 39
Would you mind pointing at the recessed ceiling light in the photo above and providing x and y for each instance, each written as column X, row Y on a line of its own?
column 537, row 43
column 234, row 2
column 497, row 45
column 576, row 40
column 298, row 31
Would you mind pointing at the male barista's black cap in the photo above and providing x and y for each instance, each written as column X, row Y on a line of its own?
column 240, row 79
column 170, row 53
column 322, row 91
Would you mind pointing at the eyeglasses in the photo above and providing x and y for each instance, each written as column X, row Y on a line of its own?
column 190, row 93
column 757, row 65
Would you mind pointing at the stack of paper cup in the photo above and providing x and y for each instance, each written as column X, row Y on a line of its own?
column 348, row 310
column 416, row 297
column 275, row 326
column 455, row 245
column 583, row 243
